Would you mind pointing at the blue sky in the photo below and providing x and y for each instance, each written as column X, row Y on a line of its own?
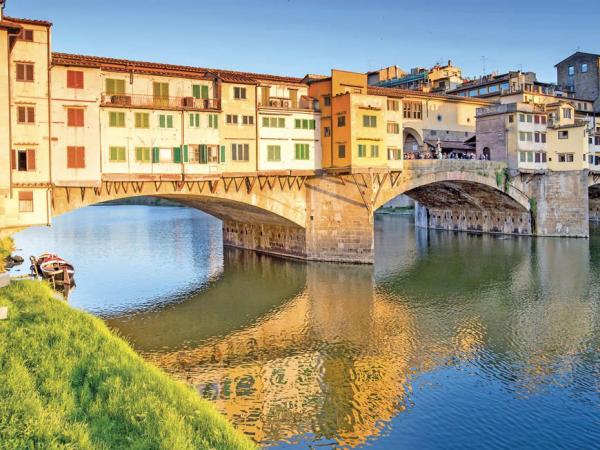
column 295, row 37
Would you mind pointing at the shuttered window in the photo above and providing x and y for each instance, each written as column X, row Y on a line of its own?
column 302, row 152
column 305, row 124
column 25, row 114
column 177, row 154
column 22, row 160
column 195, row 120
column 374, row 151
column 213, row 121
column 25, row 201
column 75, row 157
column 165, row 121
column 117, row 154
column 75, row 79
column 222, row 159
column 142, row 120
column 274, row 153
column 116, row 119
column 273, row 122
column 362, row 150
column 239, row 93
column 75, row 117
column 369, row 121
column 200, row 91
column 142, row 154
column 24, row 72
column 115, row 86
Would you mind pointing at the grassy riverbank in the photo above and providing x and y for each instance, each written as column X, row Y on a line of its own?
column 66, row 381
column 6, row 247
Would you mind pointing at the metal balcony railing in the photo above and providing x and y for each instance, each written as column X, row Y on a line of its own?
column 151, row 101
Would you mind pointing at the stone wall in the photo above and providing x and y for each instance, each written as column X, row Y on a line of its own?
column 466, row 219
column 560, row 204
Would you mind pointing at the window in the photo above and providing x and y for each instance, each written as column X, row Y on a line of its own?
column 116, row 154
column 75, row 157
column 566, row 113
column 374, row 151
column 529, row 118
column 273, row 122
column 563, row 134
column 326, row 100
column 75, row 117
column 537, row 137
column 494, row 88
column 393, row 128
column 394, row 154
column 248, row 120
column 473, row 93
column 24, row 72
column 142, row 120
column 413, row 110
column 369, row 121
column 75, row 79
column 116, row 119
column 212, row 154
column 543, row 119
column 362, row 150
column 522, row 118
column 114, row 86
column 195, row 120
column 511, row 118
column 302, row 151
column 273, row 153
column 239, row 93
column 165, row 121
column 23, row 160
column 25, row 35
column 305, row 124
column 525, row 136
column 393, row 105
column 240, row 152
column 584, row 67
column 231, row 118
column 213, row 121
column 571, row 70
column 200, row 91
column 341, row 121
column 326, row 131
column 565, row 157
column 25, row 201
column 536, row 119
column 341, row 151
column 142, row 154
column 25, row 114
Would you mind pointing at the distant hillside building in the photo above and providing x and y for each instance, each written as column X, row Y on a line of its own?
column 579, row 74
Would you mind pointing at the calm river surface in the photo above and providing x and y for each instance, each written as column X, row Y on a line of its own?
column 449, row 341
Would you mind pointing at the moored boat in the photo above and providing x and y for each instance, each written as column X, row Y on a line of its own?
column 53, row 267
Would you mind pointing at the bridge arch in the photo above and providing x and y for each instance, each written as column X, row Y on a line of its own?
column 413, row 141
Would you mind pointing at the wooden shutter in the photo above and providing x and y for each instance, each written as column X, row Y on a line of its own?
column 246, row 152
column 222, row 154
column 176, row 154
column 185, row 153
column 265, row 94
column 196, row 91
column 13, row 159
column 204, row 92
column 155, row 154
column 71, row 157
column 80, row 157
column 203, row 154
column 20, row 72
column 294, row 97
column 169, row 121
column 29, row 72
column 161, row 121
column 21, row 114
column 30, row 160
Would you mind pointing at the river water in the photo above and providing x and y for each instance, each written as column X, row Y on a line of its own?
column 450, row 341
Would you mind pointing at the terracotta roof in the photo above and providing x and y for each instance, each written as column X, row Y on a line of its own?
column 166, row 69
column 11, row 26
column 402, row 93
column 43, row 23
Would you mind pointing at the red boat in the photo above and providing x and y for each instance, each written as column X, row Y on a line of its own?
column 53, row 267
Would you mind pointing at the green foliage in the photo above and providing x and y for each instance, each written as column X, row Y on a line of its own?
column 67, row 382
column 499, row 178
column 6, row 247
column 533, row 206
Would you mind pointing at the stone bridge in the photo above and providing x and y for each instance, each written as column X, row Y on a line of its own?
column 329, row 215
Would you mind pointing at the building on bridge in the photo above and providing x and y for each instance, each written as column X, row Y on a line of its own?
column 80, row 120
column 579, row 74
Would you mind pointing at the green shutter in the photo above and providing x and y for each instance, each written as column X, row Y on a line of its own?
column 203, row 154
column 155, row 154
column 139, row 153
column 169, row 121
column 196, row 91
column 185, row 153
column 297, row 123
column 204, row 91
column 281, row 122
column 216, row 120
column 222, row 153
column 176, row 154
column 311, row 124
column 265, row 121
column 161, row 121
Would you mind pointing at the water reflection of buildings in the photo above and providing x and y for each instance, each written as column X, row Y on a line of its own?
column 326, row 353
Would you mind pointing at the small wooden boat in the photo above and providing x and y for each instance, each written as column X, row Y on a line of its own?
column 52, row 267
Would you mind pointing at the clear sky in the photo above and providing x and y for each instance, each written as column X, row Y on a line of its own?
column 295, row 37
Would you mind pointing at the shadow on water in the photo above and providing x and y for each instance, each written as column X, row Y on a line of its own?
column 450, row 340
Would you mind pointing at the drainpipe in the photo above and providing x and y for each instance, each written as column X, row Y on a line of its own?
column 256, row 123
column 48, row 213
column 10, row 143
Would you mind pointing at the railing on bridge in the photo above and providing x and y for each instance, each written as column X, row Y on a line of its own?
column 151, row 101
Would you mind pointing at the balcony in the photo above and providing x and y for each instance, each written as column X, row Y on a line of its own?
column 152, row 102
